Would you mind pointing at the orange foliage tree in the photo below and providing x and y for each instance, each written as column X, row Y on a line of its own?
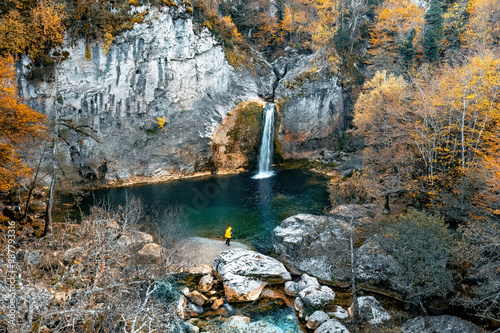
column 395, row 22
column 19, row 125
column 437, row 137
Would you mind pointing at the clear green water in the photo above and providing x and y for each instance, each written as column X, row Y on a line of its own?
column 252, row 207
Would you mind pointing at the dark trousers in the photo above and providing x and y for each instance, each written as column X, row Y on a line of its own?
column 227, row 241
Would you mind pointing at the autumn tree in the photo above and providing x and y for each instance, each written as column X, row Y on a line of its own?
column 13, row 34
column 381, row 118
column 397, row 31
column 298, row 19
column 483, row 27
column 46, row 29
column 19, row 126
column 430, row 136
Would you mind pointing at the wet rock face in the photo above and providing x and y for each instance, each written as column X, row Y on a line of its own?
column 235, row 143
column 246, row 273
column 441, row 324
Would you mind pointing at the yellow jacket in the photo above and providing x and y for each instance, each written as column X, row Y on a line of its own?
column 228, row 232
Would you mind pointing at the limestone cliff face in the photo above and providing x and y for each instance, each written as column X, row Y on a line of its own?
column 311, row 103
column 162, row 68
column 166, row 67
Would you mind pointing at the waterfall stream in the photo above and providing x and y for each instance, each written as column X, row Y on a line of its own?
column 266, row 148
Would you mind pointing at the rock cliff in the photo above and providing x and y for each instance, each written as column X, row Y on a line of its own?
column 168, row 67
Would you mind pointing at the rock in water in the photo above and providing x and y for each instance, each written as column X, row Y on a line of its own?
column 245, row 273
column 206, row 283
column 439, row 324
column 197, row 298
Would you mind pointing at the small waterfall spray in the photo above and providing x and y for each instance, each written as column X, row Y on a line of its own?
column 266, row 148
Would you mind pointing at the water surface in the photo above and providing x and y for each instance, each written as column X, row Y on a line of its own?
column 252, row 207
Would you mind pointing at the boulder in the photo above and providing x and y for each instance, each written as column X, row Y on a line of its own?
column 316, row 319
column 245, row 273
column 217, row 304
column 149, row 254
column 197, row 298
column 339, row 313
column 331, row 326
column 370, row 309
column 315, row 245
column 440, row 324
column 376, row 268
column 206, row 283
column 316, row 297
column 319, row 246
column 134, row 239
column 292, row 288
column 200, row 270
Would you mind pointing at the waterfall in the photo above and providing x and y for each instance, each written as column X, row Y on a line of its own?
column 266, row 148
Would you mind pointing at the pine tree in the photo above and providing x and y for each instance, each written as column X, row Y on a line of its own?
column 407, row 50
column 433, row 31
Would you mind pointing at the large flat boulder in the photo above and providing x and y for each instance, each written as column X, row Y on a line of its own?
column 245, row 273
column 315, row 245
column 319, row 246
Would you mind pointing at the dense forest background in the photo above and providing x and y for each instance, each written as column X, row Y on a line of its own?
column 422, row 80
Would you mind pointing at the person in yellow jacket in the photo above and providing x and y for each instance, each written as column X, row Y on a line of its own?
column 228, row 236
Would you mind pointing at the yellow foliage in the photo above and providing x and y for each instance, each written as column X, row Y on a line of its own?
column 18, row 125
column 161, row 121
column 12, row 34
column 483, row 28
column 170, row 3
column 108, row 40
column 46, row 28
column 88, row 53
column 394, row 22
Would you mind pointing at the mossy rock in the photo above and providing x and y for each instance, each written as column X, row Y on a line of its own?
column 236, row 142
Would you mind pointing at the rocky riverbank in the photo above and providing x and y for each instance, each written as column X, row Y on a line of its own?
column 107, row 269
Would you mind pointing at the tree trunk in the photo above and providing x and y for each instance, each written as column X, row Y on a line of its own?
column 32, row 186
column 48, row 211
column 387, row 208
